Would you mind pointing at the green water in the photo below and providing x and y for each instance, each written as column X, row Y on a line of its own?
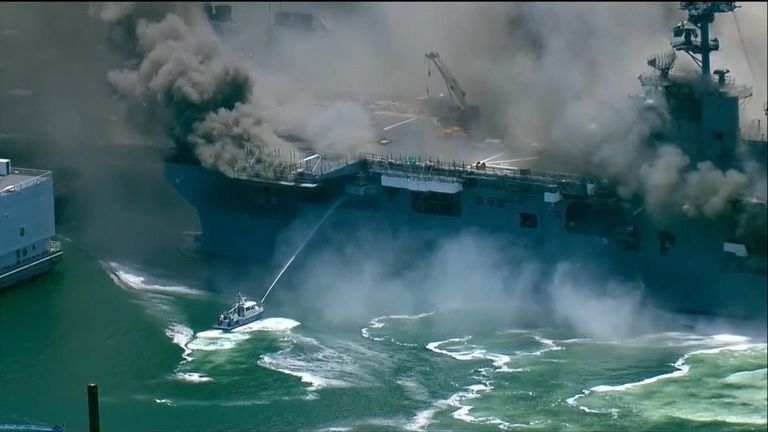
column 147, row 341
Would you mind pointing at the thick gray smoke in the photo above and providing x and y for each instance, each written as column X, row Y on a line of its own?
column 206, row 99
column 551, row 77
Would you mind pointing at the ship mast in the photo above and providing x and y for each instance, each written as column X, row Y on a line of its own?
column 700, row 15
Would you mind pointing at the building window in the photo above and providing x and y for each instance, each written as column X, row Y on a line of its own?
column 479, row 200
column 528, row 220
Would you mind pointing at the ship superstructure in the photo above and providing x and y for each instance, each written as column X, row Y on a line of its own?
column 687, row 262
column 27, row 224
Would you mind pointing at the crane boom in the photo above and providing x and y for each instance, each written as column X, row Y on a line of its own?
column 454, row 89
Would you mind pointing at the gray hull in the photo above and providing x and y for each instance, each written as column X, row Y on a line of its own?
column 689, row 273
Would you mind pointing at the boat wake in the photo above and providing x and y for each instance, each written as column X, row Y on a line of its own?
column 268, row 324
column 321, row 366
column 217, row 340
column 133, row 279
column 156, row 296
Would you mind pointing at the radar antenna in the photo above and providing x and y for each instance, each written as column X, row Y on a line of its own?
column 700, row 16
column 663, row 62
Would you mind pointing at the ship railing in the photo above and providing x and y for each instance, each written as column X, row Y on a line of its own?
column 418, row 167
column 36, row 177
column 305, row 164
column 729, row 84
column 288, row 165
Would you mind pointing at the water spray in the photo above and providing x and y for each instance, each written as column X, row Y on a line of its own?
column 303, row 245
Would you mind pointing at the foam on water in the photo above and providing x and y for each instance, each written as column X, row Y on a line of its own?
column 129, row 278
column 215, row 340
column 681, row 366
column 424, row 418
column 293, row 367
column 751, row 377
column 549, row 345
column 181, row 335
column 459, row 349
column 268, row 324
column 498, row 360
column 315, row 364
column 745, row 389
column 473, row 354
column 413, row 388
column 192, row 377
column 378, row 323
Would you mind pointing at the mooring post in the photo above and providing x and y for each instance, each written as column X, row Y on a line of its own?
column 93, row 407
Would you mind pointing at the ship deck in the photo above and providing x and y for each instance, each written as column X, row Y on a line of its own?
column 412, row 140
column 20, row 178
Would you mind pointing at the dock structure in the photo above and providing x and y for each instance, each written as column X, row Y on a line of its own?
column 27, row 225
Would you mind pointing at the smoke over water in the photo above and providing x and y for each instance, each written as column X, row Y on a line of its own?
column 207, row 102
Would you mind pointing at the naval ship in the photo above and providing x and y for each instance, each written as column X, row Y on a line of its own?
column 26, row 224
column 686, row 263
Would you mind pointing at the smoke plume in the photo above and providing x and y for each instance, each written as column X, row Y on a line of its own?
column 208, row 100
column 551, row 78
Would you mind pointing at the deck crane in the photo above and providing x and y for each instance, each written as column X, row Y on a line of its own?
column 461, row 114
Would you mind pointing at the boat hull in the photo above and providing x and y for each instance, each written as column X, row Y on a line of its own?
column 234, row 324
